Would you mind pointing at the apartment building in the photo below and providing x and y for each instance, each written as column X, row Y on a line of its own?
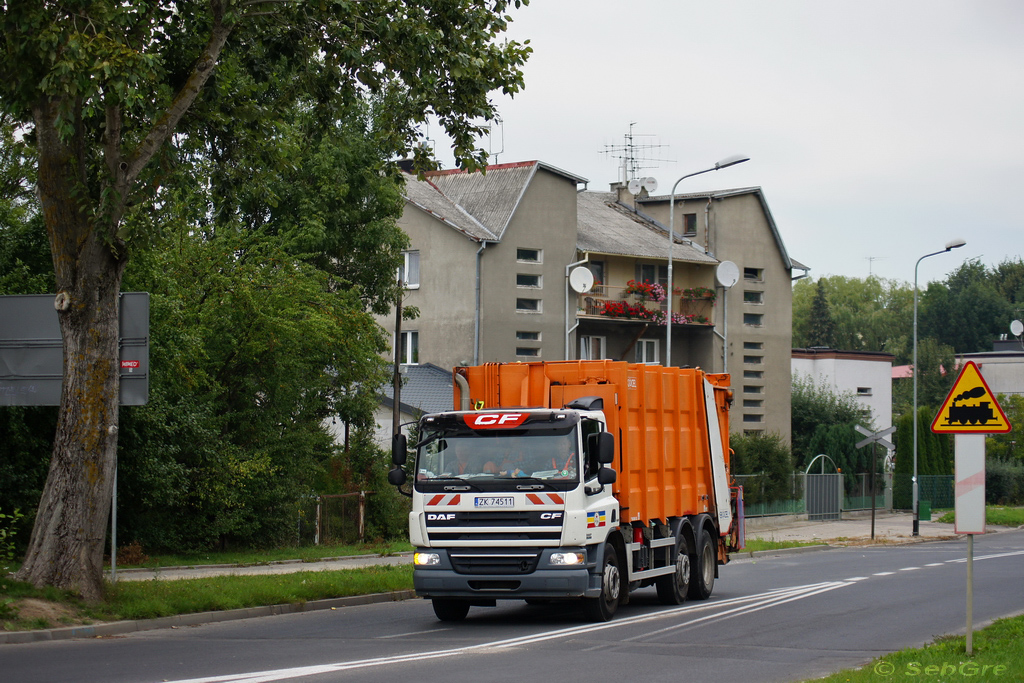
column 489, row 263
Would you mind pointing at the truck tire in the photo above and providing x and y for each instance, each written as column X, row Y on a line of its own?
column 603, row 607
column 702, row 579
column 448, row 609
column 672, row 588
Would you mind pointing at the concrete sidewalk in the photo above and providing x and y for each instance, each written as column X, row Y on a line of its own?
column 854, row 528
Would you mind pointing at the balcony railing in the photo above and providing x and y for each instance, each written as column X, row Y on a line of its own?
column 645, row 302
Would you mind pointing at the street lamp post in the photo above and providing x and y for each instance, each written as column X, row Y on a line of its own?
column 724, row 163
column 952, row 244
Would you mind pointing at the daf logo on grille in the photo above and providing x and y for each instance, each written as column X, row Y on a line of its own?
column 440, row 516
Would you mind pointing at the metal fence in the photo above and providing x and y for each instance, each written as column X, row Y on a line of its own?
column 813, row 496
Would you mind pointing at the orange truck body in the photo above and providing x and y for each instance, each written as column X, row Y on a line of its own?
column 653, row 412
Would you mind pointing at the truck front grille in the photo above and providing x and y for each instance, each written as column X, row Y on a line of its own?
column 494, row 562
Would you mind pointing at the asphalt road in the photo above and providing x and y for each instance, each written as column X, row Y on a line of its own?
column 782, row 618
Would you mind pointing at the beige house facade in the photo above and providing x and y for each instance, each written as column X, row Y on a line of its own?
column 489, row 262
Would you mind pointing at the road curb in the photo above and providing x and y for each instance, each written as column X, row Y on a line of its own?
column 742, row 554
column 115, row 628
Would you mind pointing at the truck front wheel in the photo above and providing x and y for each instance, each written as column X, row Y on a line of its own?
column 672, row 588
column 703, row 580
column 448, row 609
column 603, row 608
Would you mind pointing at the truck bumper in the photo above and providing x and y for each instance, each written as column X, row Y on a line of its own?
column 543, row 581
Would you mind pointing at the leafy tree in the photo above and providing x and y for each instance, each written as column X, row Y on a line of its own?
column 935, row 376
column 965, row 312
column 816, row 409
column 822, row 326
column 867, row 315
column 104, row 87
column 1009, row 446
column 1009, row 282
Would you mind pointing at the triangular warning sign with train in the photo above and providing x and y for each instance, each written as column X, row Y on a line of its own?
column 970, row 407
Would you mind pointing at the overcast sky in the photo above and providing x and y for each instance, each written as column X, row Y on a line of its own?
column 877, row 130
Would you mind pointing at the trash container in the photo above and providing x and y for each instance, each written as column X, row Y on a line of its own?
column 924, row 510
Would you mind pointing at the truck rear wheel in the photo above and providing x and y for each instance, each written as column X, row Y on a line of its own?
column 672, row 588
column 603, row 608
column 702, row 581
column 448, row 609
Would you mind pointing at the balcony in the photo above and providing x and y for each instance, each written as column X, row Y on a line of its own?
column 647, row 303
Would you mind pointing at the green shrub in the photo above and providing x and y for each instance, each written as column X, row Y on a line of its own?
column 1004, row 482
column 7, row 531
column 767, row 457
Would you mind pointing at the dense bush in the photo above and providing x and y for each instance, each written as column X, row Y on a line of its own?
column 767, row 457
column 1004, row 482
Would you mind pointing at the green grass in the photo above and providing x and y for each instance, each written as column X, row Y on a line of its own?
column 161, row 598
column 1000, row 647
column 756, row 544
column 994, row 514
column 256, row 557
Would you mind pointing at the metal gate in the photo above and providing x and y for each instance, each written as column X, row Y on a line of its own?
column 824, row 496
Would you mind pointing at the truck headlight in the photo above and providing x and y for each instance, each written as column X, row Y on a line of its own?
column 568, row 559
column 426, row 559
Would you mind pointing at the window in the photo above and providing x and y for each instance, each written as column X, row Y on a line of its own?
column 527, row 336
column 597, row 269
column 753, row 360
column 747, row 403
column 647, row 351
column 753, row 274
column 754, row 319
column 410, row 353
column 651, row 272
column 689, row 224
column 524, row 280
column 752, row 417
column 753, row 346
column 751, row 389
column 751, row 297
column 409, row 272
column 528, row 306
column 753, row 374
column 864, row 391
column 529, row 255
column 528, row 352
column 592, row 348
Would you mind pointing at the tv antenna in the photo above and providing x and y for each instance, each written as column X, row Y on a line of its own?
column 633, row 156
column 871, row 261
column 491, row 142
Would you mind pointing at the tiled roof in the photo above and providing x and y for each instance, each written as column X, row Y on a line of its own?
column 607, row 227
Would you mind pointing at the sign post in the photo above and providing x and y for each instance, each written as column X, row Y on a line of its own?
column 970, row 411
column 874, row 438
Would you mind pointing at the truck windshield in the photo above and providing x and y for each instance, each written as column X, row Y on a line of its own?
column 498, row 455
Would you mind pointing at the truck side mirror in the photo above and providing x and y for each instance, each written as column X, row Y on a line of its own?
column 399, row 449
column 396, row 476
column 605, row 476
column 605, row 448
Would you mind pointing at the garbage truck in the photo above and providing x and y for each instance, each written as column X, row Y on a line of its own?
column 571, row 480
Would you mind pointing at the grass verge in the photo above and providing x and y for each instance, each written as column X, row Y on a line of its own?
column 24, row 607
column 998, row 655
column 255, row 557
column 994, row 514
column 756, row 544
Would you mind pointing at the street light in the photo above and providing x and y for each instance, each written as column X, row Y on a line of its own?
column 952, row 244
column 724, row 163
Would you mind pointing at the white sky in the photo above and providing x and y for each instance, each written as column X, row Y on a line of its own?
column 877, row 129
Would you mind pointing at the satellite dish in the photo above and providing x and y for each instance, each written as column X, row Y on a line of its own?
column 1016, row 328
column 634, row 187
column 650, row 184
column 581, row 279
column 727, row 274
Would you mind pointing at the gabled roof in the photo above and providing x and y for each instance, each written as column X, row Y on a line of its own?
column 426, row 388
column 477, row 204
column 607, row 227
column 722, row 194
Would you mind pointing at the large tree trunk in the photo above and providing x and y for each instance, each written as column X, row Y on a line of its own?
column 66, row 546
